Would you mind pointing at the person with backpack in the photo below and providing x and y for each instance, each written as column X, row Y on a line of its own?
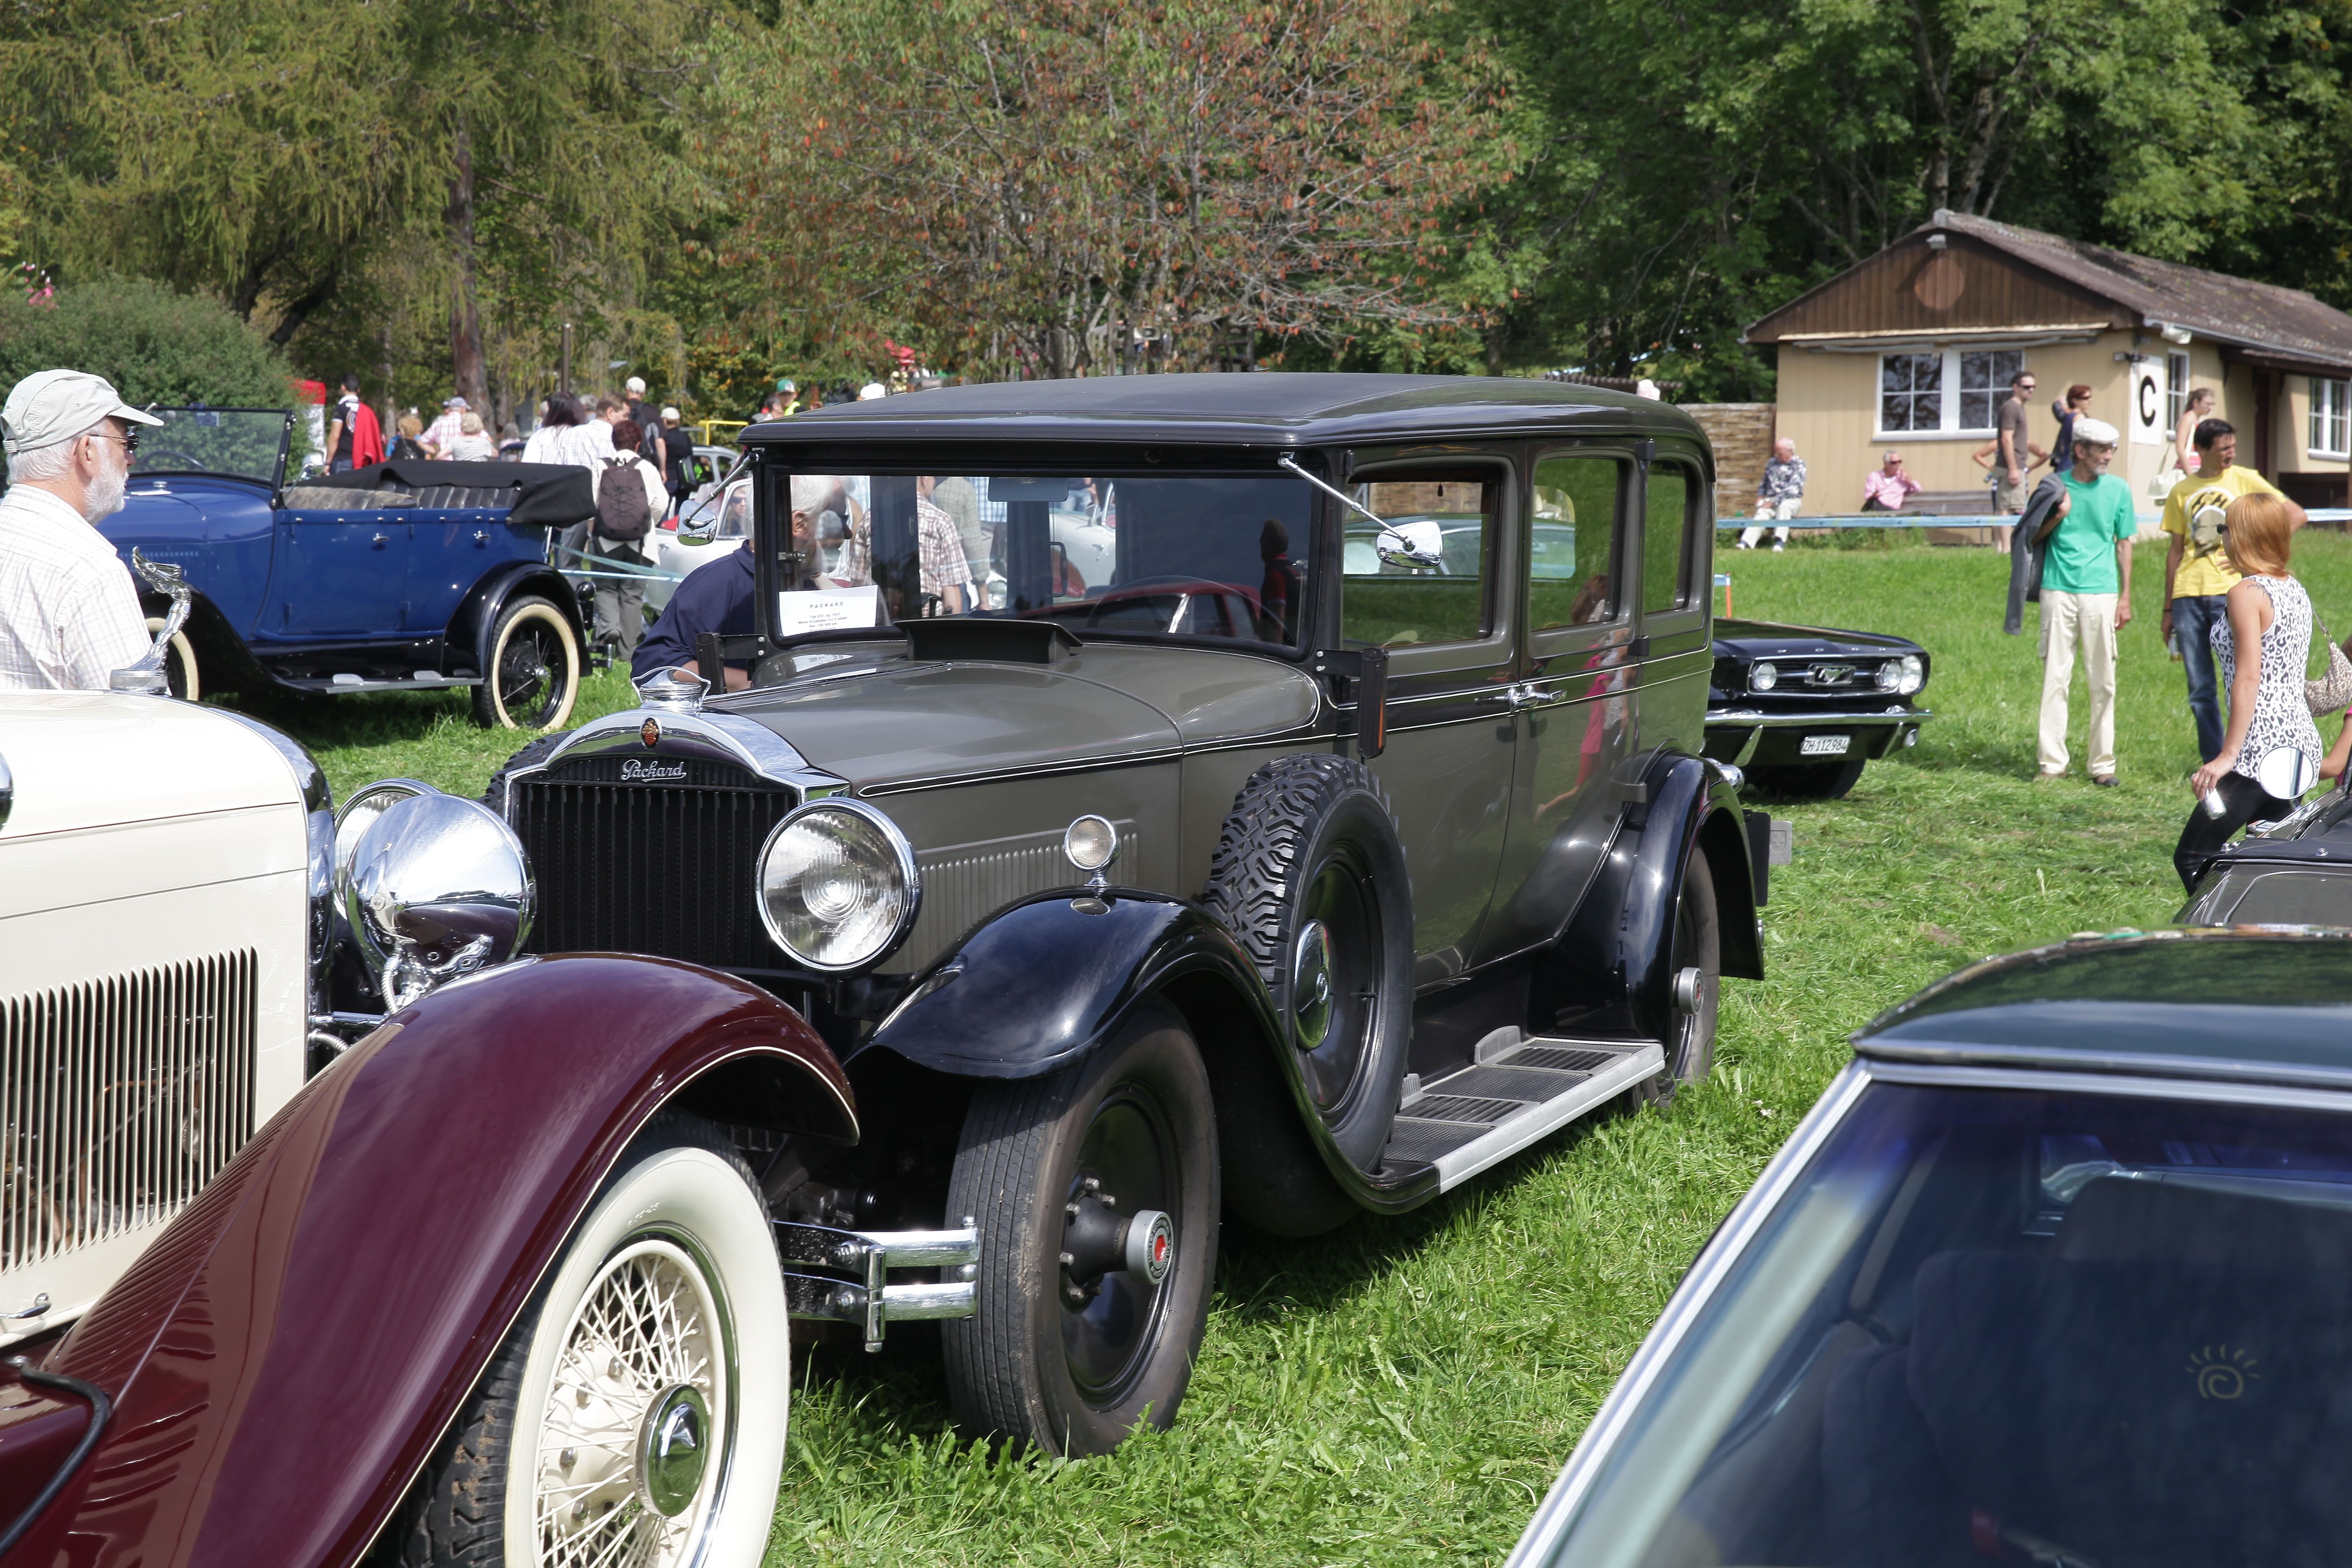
column 630, row 497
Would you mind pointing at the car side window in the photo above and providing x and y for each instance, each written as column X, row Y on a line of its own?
column 1572, row 542
column 1666, row 540
column 1421, row 575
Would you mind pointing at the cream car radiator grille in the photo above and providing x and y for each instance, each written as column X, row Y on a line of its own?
column 120, row 1098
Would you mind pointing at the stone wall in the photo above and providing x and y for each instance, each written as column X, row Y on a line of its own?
column 1741, row 434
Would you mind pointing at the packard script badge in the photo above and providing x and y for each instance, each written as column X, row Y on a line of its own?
column 650, row 733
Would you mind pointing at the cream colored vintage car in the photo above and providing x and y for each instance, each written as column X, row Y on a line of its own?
column 165, row 877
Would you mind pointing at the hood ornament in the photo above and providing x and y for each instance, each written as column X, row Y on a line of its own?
column 148, row 674
column 672, row 690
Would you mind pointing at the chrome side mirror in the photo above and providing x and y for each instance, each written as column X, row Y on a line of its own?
column 147, row 675
column 1417, row 546
column 438, row 887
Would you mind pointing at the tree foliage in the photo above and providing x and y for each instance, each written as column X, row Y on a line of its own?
column 1043, row 186
column 154, row 344
column 1697, row 163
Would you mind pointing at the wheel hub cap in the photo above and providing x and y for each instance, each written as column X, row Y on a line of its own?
column 1310, row 987
column 673, row 1448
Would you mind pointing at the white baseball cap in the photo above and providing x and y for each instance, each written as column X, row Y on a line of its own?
column 49, row 406
column 635, row 383
column 2097, row 432
column 670, row 413
column 455, row 402
column 870, row 390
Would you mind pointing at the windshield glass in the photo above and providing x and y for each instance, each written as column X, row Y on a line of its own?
column 1132, row 555
column 2056, row 1328
column 245, row 442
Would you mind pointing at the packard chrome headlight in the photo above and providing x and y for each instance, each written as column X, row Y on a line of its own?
column 1763, row 676
column 1903, row 676
column 838, row 887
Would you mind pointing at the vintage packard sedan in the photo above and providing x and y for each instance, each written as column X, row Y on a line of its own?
column 2057, row 1271
column 1801, row 709
column 1306, row 851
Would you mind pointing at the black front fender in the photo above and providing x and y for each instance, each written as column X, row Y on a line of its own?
column 470, row 628
column 1610, row 975
column 1044, row 982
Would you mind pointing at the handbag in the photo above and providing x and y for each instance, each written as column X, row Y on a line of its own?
column 2334, row 690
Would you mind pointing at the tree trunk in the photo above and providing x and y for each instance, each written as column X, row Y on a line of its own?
column 465, row 309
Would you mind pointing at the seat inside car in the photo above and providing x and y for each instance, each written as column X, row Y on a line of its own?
column 2169, row 1382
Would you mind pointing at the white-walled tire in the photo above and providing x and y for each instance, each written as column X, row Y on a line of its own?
column 531, row 677
column 635, row 1413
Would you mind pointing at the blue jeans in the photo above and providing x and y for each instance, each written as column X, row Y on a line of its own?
column 2194, row 616
column 343, row 465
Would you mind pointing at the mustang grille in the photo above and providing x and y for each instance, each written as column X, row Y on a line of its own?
column 118, row 1100
column 665, row 866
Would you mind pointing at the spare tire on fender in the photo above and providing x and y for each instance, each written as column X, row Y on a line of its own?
column 1309, row 877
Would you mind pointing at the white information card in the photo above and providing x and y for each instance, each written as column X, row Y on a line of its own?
column 826, row 610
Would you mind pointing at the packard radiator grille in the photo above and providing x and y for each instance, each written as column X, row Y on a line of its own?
column 118, row 1100
column 649, row 854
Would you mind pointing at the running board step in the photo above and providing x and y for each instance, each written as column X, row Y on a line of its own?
column 339, row 685
column 1514, row 1095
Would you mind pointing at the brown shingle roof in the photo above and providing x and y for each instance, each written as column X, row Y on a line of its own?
column 2288, row 324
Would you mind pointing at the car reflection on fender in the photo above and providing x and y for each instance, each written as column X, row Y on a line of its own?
column 2055, row 1271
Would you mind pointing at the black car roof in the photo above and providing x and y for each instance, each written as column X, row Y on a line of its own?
column 1276, row 408
column 2249, row 1005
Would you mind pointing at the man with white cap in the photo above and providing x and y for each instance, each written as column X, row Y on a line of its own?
column 2085, row 597
column 444, row 433
column 69, row 616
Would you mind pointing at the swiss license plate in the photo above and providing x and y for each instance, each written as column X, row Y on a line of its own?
column 1824, row 745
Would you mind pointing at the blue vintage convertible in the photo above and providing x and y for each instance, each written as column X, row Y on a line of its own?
column 404, row 576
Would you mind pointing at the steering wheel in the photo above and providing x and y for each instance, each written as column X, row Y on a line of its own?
column 187, row 460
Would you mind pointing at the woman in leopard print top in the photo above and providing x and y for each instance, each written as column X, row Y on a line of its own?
column 2263, row 651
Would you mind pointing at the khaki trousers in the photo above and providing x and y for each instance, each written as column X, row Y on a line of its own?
column 2068, row 619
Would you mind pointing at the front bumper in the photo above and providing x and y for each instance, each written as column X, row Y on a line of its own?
column 1746, row 736
column 856, row 1288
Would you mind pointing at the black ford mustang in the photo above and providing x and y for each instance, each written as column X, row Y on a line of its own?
column 1802, row 708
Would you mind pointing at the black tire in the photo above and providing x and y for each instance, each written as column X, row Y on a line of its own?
column 1311, row 840
column 180, row 669
column 1808, row 781
column 457, row 1513
column 530, row 673
column 1698, row 944
column 1072, row 1365
column 495, row 796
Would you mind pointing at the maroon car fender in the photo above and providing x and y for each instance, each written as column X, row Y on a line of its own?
column 285, row 1356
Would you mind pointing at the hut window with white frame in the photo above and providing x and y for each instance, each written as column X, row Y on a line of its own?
column 1954, row 391
column 2331, row 418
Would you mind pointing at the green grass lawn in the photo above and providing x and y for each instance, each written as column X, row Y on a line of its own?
column 1403, row 1391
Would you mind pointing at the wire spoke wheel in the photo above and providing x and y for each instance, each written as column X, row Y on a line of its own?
column 646, row 1329
column 530, row 675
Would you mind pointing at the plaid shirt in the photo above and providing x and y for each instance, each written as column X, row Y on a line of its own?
column 1782, row 481
column 940, row 554
column 68, row 615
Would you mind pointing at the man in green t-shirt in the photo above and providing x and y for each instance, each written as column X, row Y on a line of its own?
column 2085, row 597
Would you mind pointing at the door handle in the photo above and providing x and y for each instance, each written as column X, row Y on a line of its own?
column 481, row 537
column 1526, row 694
column 383, row 539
